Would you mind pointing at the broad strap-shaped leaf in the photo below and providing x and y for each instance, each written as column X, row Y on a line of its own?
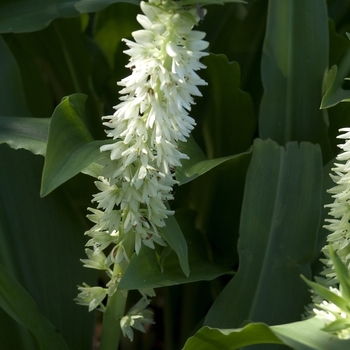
column 278, row 233
column 303, row 335
column 41, row 241
column 15, row 300
column 28, row 133
column 293, row 65
column 70, row 147
column 31, row 15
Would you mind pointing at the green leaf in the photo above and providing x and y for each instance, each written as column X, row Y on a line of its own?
column 197, row 164
column 307, row 335
column 112, row 25
column 303, row 335
column 334, row 93
column 293, row 64
column 31, row 15
column 274, row 247
column 41, row 241
column 70, row 148
column 337, row 325
column 13, row 101
column 144, row 271
column 15, row 300
column 210, row 2
column 226, row 339
column 342, row 273
column 175, row 238
column 28, row 133
column 38, row 92
column 327, row 294
column 229, row 121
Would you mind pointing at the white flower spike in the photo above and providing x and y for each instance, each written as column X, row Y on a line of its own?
column 139, row 170
column 150, row 120
column 339, row 225
column 333, row 305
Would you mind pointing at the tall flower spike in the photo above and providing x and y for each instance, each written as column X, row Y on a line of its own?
column 331, row 299
column 152, row 117
column 339, row 225
column 150, row 120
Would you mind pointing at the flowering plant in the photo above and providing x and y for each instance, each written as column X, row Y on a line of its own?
column 204, row 193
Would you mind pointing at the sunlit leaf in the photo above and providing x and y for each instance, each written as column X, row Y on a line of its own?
column 304, row 335
column 211, row 338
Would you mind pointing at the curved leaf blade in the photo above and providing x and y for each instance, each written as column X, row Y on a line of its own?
column 334, row 93
column 198, row 164
column 229, row 339
column 70, row 147
column 176, row 240
column 28, row 133
column 16, row 301
column 303, row 335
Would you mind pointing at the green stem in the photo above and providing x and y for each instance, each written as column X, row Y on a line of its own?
column 115, row 309
column 111, row 330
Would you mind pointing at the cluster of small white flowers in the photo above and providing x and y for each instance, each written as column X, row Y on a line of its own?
column 338, row 239
column 138, row 176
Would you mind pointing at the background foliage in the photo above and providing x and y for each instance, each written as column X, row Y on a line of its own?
column 250, row 200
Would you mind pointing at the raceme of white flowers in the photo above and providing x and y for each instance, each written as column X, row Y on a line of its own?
column 138, row 176
column 338, row 240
